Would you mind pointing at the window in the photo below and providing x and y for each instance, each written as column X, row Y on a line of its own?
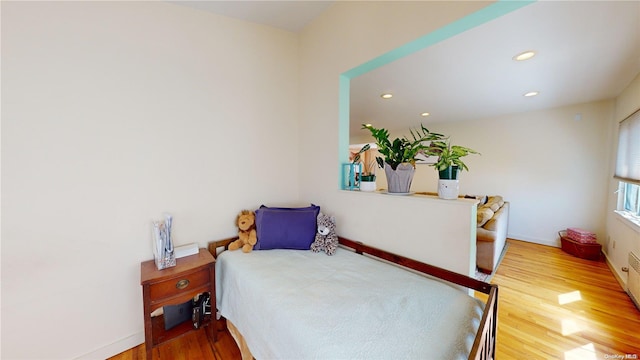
column 631, row 196
column 628, row 154
column 628, row 168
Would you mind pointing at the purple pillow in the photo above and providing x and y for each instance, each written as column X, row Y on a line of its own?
column 286, row 228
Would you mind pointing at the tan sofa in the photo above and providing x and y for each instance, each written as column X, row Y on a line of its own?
column 491, row 234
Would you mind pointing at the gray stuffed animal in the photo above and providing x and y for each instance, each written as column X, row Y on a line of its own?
column 326, row 239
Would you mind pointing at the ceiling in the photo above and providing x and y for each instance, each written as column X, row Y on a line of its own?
column 291, row 15
column 586, row 51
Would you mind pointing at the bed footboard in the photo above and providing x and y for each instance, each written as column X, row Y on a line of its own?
column 484, row 345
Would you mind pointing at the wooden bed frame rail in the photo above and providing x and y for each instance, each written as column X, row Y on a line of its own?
column 484, row 345
column 221, row 245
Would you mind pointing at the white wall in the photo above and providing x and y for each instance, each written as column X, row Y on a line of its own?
column 344, row 37
column 548, row 164
column 113, row 113
column 622, row 236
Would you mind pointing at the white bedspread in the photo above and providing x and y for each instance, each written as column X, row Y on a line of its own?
column 291, row 304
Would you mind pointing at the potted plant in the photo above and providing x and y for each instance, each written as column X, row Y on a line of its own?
column 449, row 164
column 366, row 170
column 400, row 154
column 368, row 174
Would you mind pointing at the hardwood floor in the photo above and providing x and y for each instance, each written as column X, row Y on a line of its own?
column 556, row 306
column 552, row 306
column 192, row 346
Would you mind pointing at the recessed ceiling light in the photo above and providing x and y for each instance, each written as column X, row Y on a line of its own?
column 425, row 114
column 386, row 96
column 531, row 93
column 524, row 56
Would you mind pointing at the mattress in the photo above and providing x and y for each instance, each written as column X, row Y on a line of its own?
column 294, row 304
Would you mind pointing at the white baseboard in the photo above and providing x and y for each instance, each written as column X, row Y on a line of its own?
column 115, row 348
column 547, row 242
column 615, row 272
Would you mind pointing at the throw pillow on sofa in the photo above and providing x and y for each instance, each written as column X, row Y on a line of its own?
column 495, row 202
column 484, row 214
column 492, row 224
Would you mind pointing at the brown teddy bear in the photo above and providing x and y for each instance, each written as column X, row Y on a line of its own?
column 246, row 222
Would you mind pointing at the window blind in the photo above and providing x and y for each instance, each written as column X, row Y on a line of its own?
column 628, row 156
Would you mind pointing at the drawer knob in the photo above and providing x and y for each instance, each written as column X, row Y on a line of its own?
column 182, row 284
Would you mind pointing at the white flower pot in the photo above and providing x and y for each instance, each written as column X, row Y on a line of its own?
column 448, row 189
column 367, row 186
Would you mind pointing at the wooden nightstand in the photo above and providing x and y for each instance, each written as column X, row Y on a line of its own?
column 192, row 275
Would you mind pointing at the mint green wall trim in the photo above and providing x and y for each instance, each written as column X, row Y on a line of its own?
column 480, row 17
column 343, row 132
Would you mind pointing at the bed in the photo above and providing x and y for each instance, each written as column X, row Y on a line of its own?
column 360, row 303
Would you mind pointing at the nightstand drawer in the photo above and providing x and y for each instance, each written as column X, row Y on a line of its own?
column 178, row 285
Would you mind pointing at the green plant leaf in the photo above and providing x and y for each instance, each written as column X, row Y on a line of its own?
column 405, row 150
